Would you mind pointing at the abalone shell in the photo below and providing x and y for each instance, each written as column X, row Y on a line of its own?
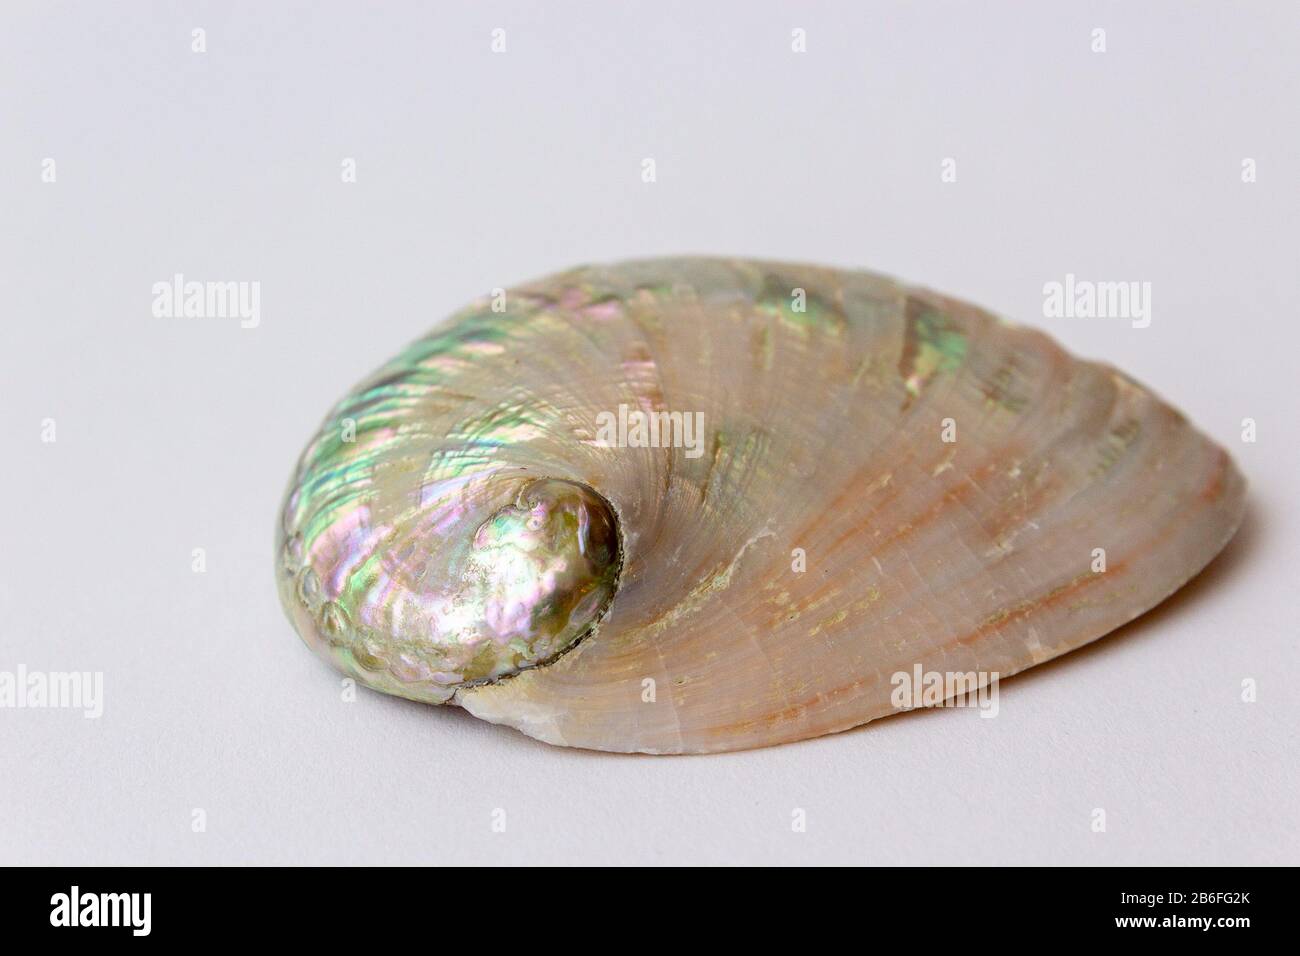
column 693, row 505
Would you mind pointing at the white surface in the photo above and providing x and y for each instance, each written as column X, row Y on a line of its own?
column 478, row 170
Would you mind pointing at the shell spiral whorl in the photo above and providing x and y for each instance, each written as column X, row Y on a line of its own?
column 474, row 572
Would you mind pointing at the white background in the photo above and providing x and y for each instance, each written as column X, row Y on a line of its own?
column 478, row 170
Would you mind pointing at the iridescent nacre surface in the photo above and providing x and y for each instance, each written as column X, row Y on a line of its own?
column 690, row 505
column 522, row 569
